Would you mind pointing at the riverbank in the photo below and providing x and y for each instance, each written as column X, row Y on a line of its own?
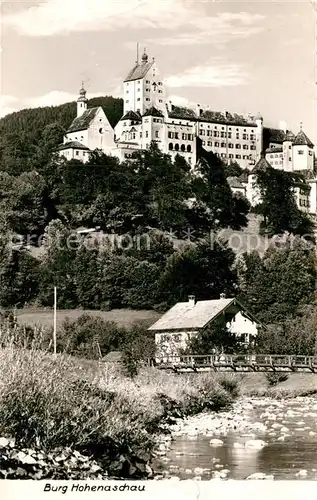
column 257, row 438
column 53, row 406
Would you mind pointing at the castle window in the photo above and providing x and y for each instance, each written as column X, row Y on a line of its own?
column 147, row 99
column 252, row 147
column 204, row 143
column 146, row 134
column 176, row 135
column 138, row 99
column 216, row 134
column 170, row 146
column 170, row 135
column 189, row 148
column 209, row 143
column 77, row 153
column 156, row 134
column 183, row 148
column 237, row 136
column 301, row 152
column 289, row 159
column 216, row 144
column 223, row 144
column 238, row 157
column 160, row 100
column 245, row 146
column 310, row 153
column 176, row 147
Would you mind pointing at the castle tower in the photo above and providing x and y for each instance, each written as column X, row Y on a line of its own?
column 81, row 101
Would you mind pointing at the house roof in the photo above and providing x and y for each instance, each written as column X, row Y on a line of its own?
column 131, row 115
column 186, row 316
column 235, row 182
column 82, row 122
column 211, row 116
column 262, row 164
column 72, row 145
column 153, row 112
column 274, row 150
column 113, row 356
column 302, row 140
column 139, row 71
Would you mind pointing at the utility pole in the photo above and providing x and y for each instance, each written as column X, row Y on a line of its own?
column 55, row 318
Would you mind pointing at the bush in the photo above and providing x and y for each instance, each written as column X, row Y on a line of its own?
column 276, row 378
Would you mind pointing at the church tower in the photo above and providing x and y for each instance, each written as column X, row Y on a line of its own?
column 81, row 101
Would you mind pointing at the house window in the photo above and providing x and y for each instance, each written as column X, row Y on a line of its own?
column 230, row 145
column 238, row 157
column 156, row 134
column 237, row 136
column 216, row 144
column 77, row 153
column 183, row 148
column 245, row 146
column 216, row 133
column 223, row 144
column 146, row 134
column 238, row 146
column 209, row 143
column 301, row 152
column 170, row 146
column 189, row 148
column 176, row 147
column 204, row 143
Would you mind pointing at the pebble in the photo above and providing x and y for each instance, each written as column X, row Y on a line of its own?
column 255, row 444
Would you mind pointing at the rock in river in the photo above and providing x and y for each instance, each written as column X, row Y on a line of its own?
column 216, row 442
column 256, row 444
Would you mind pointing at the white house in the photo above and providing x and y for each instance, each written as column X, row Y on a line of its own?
column 184, row 320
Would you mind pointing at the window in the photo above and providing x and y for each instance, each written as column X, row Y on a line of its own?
column 237, row 136
column 238, row 157
column 146, row 134
column 289, row 158
column 229, row 135
column 300, row 151
column 208, row 132
column 156, row 134
column 176, row 147
column 230, row 156
column 204, row 143
column 209, row 143
column 170, row 135
column 245, row 157
column 238, row 146
column 160, row 100
column 230, row 145
column 170, row 146
column 77, row 153
column 138, row 90
column 84, row 154
column 253, row 148
column 223, row 144
column 127, row 101
column 147, row 81
column 189, row 148
column 177, row 337
column 216, row 133
column 147, row 99
column 138, row 99
column 216, row 144
column 147, row 90
column 223, row 134
column 202, row 132
column 183, row 148
column 310, row 153
column 252, row 137
column 223, row 155
column 140, row 135
column 245, row 146
column 245, row 136
column 176, row 135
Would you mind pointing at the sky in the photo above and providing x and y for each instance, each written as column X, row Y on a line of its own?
column 252, row 56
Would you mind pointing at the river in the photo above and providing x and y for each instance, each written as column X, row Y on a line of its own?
column 258, row 437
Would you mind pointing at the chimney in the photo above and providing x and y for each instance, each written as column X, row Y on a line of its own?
column 191, row 300
column 198, row 110
column 169, row 106
column 222, row 295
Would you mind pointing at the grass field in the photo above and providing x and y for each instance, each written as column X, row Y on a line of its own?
column 123, row 317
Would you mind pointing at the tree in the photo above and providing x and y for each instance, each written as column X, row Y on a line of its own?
column 275, row 286
column 216, row 338
column 199, row 270
column 19, row 275
column 211, row 188
column 278, row 205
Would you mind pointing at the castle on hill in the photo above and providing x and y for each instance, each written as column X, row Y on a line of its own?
column 149, row 116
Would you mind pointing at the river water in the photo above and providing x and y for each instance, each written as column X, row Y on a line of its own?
column 274, row 437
